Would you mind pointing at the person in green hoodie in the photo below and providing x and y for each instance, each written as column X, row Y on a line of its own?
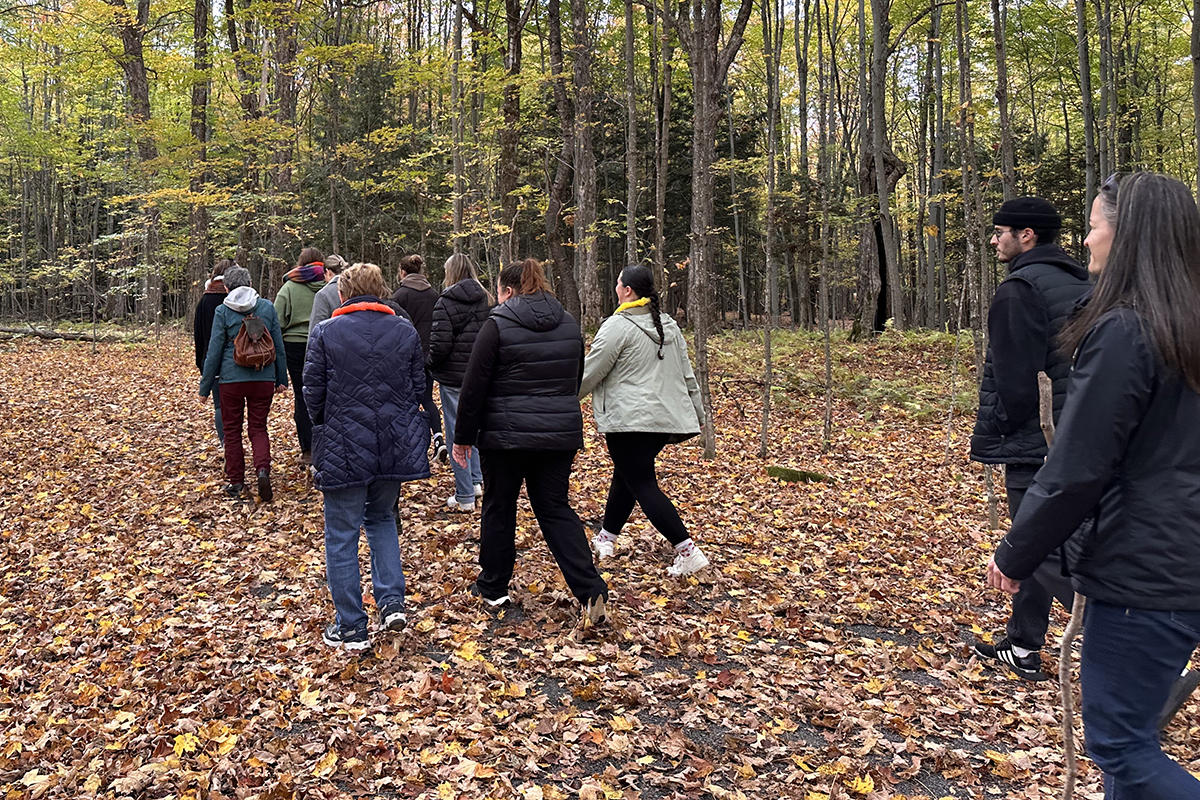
column 294, row 305
column 645, row 396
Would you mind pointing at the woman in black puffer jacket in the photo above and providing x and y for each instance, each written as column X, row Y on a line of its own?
column 1127, row 452
column 519, row 407
column 457, row 316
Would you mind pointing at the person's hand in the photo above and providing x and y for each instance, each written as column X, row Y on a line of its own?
column 202, row 393
column 998, row 580
column 462, row 454
column 280, row 388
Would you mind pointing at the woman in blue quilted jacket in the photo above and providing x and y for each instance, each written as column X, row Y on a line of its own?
column 363, row 379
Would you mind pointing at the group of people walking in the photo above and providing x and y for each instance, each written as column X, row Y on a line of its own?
column 512, row 370
column 1111, row 509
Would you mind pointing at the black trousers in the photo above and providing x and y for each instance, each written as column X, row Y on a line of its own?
column 296, row 351
column 634, row 480
column 431, row 410
column 546, row 475
column 1031, row 604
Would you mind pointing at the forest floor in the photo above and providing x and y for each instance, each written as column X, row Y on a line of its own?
column 160, row 641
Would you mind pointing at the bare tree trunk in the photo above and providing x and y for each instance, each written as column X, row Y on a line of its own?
column 772, row 26
column 1008, row 159
column 631, row 151
column 587, row 243
column 662, row 154
column 198, row 251
column 889, row 251
column 510, row 133
column 458, row 112
column 559, row 189
column 825, row 170
column 743, row 301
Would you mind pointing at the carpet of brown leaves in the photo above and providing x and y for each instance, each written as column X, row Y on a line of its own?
column 162, row 642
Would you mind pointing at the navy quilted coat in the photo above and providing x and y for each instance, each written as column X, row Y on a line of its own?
column 363, row 379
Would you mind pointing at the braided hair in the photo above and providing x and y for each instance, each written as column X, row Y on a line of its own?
column 640, row 279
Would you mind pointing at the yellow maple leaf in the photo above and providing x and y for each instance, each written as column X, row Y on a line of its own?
column 863, row 784
column 228, row 744
column 445, row 791
column 327, row 765
column 468, row 651
column 186, row 743
column 309, row 697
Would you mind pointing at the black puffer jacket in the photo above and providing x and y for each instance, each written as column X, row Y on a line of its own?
column 417, row 298
column 1128, row 452
column 521, row 388
column 1029, row 309
column 457, row 316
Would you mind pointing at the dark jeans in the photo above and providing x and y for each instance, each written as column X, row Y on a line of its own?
column 296, row 351
column 1131, row 658
column 1031, row 604
column 546, row 475
column 431, row 410
column 253, row 398
column 635, row 481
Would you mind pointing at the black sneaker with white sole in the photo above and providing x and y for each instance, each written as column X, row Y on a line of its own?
column 1028, row 667
column 334, row 636
column 440, row 452
column 494, row 602
column 392, row 618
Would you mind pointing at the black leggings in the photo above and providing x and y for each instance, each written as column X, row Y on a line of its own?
column 634, row 481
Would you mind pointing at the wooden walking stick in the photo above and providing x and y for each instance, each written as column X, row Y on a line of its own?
column 1046, row 413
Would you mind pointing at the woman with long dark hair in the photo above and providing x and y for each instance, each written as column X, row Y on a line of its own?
column 1127, row 453
column 645, row 396
column 518, row 406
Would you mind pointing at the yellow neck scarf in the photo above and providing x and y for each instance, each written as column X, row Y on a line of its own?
column 641, row 301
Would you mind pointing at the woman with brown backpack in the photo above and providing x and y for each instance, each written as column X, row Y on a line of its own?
column 246, row 351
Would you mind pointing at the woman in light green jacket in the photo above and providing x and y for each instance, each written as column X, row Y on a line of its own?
column 644, row 397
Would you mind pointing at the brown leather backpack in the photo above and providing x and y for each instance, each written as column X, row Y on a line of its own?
column 253, row 346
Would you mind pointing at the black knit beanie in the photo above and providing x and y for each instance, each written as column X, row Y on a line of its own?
column 1028, row 212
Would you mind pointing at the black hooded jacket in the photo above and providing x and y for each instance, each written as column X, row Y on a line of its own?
column 1127, row 451
column 1028, row 310
column 457, row 316
column 522, row 383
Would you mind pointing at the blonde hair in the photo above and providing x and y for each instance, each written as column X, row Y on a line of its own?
column 459, row 267
column 362, row 279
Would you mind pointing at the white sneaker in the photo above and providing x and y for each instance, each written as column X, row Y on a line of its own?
column 478, row 490
column 464, row 508
column 603, row 547
column 686, row 565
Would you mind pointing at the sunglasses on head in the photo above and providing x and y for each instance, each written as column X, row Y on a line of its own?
column 1113, row 183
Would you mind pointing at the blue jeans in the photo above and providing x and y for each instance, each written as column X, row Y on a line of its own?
column 1131, row 658
column 464, row 479
column 347, row 510
column 216, row 396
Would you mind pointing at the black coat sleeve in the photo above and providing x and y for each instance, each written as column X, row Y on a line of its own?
column 1019, row 337
column 1110, row 389
column 476, row 384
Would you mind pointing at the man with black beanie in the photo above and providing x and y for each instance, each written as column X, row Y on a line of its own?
column 1030, row 306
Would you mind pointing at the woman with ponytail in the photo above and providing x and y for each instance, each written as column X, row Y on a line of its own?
column 644, row 397
column 518, row 407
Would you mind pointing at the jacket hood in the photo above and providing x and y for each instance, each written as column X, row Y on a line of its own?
column 242, row 299
column 415, row 281
column 1048, row 254
column 312, row 286
column 645, row 322
column 466, row 291
column 537, row 312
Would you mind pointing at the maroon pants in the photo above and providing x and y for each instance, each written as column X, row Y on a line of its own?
column 254, row 397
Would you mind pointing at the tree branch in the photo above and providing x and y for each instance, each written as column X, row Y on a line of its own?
column 895, row 45
column 734, row 43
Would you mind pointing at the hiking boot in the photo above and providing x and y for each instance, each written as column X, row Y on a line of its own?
column 440, row 453
column 265, row 492
column 496, row 602
column 462, row 508
column 1185, row 684
column 1028, row 667
column 595, row 611
column 234, row 490
column 353, row 641
column 392, row 618
column 686, row 565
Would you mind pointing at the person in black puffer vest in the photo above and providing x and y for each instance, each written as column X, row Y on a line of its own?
column 519, row 407
column 1030, row 307
column 457, row 316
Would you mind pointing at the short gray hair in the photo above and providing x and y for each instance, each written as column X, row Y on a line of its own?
column 236, row 277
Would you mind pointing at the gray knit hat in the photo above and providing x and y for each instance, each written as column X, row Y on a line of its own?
column 236, row 277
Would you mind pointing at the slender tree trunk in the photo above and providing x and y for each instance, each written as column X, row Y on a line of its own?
column 772, row 25
column 458, row 112
column 880, row 10
column 662, row 156
column 1089, row 122
column 560, row 187
column 509, row 134
column 1008, row 161
column 825, row 170
column 198, row 251
column 631, row 151
column 587, row 243
column 743, row 303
